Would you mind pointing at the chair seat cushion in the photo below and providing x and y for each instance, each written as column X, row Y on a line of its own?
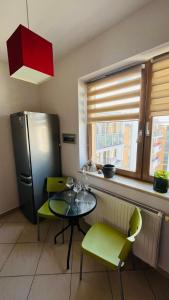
column 104, row 242
column 45, row 212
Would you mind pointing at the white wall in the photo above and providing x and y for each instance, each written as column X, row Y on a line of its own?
column 144, row 30
column 15, row 95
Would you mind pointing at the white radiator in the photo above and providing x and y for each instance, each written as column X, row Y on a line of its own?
column 117, row 212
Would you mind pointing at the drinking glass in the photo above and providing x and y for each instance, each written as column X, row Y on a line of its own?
column 84, row 180
column 69, row 184
column 77, row 188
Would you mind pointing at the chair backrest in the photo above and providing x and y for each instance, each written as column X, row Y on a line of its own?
column 135, row 226
column 56, row 184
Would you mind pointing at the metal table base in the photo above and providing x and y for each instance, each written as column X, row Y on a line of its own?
column 72, row 222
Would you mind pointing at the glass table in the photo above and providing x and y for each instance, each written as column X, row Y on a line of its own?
column 72, row 206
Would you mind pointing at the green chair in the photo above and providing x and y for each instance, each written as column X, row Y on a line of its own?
column 54, row 184
column 110, row 245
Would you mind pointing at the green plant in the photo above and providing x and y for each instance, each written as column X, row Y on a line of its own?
column 161, row 174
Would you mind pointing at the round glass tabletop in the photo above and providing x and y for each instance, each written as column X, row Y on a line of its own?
column 69, row 204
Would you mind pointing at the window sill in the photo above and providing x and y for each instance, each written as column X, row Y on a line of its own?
column 134, row 184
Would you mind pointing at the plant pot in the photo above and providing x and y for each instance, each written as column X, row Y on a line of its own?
column 108, row 171
column 160, row 185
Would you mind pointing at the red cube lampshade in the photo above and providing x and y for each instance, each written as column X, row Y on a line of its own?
column 30, row 56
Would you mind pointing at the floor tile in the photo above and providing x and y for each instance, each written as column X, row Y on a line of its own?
column 53, row 280
column 15, row 288
column 29, row 234
column 10, row 232
column 15, row 216
column 55, row 227
column 139, row 264
column 93, row 286
column 133, row 263
column 50, row 287
column 53, row 259
column 115, row 285
column 159, row 284
column 90, row 264
column 23, row 260
column 135, row 286
column 77, row 235
column 5, row 250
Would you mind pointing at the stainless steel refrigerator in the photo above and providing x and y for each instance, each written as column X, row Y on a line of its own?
column 37, row 156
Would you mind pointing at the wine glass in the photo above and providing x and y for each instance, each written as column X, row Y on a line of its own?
column 77, row 188
column 69, row 184
column 84, row 180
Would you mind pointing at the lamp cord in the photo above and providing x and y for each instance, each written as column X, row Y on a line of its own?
column 27, row 13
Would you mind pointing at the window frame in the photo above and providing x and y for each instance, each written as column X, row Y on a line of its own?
column 144, row 128
column 141, row 124
column 148, row 127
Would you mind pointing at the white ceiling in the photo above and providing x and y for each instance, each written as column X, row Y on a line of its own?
column 66, row 23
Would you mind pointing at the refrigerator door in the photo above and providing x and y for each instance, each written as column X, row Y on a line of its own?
column 45, row 151
column 23, row 164
column 21, row 144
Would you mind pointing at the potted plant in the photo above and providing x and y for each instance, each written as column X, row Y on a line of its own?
column 161, row 181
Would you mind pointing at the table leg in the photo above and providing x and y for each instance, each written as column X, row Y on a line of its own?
column 70, row 245
column 80, row 229
column 60, row 232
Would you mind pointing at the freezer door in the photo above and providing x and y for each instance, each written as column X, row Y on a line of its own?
column 21, row 144
column 26, row 198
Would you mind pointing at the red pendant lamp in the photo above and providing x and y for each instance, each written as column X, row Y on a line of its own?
column 30, row 56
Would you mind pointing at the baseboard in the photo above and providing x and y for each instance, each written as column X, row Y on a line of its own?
column 162, row 272
column 8, row 211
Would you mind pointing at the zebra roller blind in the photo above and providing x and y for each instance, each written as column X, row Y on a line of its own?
column 116, row 97
column 159, row 89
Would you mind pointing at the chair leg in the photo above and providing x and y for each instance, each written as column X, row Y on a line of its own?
column 81, row 265
column 121, row 284
column 38, row 228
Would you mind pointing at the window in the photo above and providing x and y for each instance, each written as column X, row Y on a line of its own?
column 157, row 133
column 128, row 119
column 114, row 120
column 159, row 158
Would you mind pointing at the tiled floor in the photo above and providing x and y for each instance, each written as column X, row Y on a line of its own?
column 37, row 270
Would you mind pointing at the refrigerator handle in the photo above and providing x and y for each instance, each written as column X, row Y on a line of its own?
column 25, row 183
column 24, row 177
